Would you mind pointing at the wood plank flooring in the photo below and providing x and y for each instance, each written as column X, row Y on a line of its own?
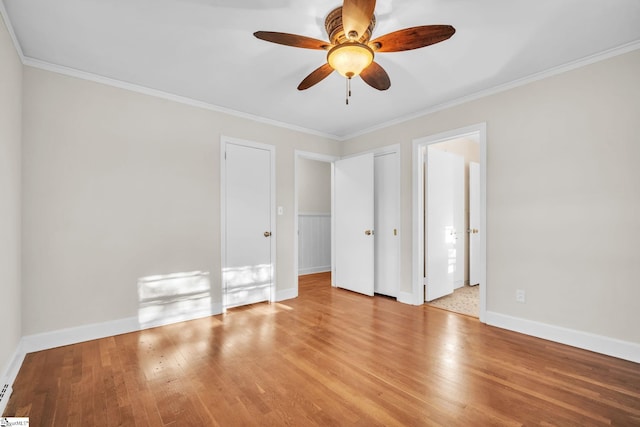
column 331, row 358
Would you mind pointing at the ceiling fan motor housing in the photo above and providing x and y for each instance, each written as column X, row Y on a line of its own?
column 335, row 30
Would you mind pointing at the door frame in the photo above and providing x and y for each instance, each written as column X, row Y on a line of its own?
column 224, row 140
column 327, row 158
column 389, row 149
column 418, row 148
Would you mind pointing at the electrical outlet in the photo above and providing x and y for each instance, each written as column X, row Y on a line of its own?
column 520, row 295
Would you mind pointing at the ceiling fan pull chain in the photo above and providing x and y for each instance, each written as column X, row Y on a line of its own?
column 348, row 90
column 346, row 98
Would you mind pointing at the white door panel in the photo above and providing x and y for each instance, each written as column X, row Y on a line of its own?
column 458, row 219
column 247, row 273
column 474, row 223
column 443, row 225
column 353, row 218
column 386, row 224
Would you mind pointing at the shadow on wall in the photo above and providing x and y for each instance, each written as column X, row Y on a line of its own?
column 171, row 298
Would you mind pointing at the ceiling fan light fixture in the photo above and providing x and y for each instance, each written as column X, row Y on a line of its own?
column 350, row 59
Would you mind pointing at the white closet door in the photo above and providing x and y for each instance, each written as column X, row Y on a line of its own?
column 387, row 200
column 353, row 224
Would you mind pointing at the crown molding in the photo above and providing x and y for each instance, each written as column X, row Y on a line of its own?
column 12, row 34
column 84, row 75
column 620, row 50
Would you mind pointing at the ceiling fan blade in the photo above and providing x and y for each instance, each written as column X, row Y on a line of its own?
column 316, row 76
column 292, row 40
column 376, row 77
column 356, row 16
column 412, row 38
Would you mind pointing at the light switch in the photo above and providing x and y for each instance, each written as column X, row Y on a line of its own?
column 280, row 210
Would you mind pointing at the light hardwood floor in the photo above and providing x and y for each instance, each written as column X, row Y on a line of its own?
column 329, row 357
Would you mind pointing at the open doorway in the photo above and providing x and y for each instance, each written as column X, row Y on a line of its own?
column 313, row 212
column 460, row 258
column 463, row 154
column 314, row 243
column 314, row 216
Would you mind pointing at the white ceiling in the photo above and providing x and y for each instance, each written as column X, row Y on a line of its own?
column 205, row 50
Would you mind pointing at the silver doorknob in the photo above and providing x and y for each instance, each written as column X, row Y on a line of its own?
column 368, row 232
column 267, row 234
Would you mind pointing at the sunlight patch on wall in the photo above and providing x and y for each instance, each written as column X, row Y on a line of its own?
column 171, row 298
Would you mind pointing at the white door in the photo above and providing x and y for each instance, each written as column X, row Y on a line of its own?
column 386, row 200
column 443, row 258
column 474, row 223
column 458, row 220
column 247, row 273
column 353, row 224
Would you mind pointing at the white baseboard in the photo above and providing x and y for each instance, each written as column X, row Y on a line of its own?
column 4, row 396
column 215, row 309
column 9, row 376
column 61, row 337
column 313, row 270
column 286, row 294
column 600, row 344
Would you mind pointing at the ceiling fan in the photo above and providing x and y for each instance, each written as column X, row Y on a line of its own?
column 351, row 50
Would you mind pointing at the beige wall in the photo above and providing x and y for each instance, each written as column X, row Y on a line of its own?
column 10, row 131
column 120, row 185
column 314, row 186
column 562, row 195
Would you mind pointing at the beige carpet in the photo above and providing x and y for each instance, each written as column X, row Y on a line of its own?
column 464, row 300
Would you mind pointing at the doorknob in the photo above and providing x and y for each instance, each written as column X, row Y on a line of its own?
column 267, row 234
column 368, row 232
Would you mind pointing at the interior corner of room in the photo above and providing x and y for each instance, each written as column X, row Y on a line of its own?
column 118, row 208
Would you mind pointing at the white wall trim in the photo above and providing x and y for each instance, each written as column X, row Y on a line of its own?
column 12, row 34
column 314, row 270
column 285, row 294
column 36, row 63
column 616, row 51
column 8, row 376
column 379, row 151
column 314, row 213
column 84, row 75
column 78, row 334
column 600, row 344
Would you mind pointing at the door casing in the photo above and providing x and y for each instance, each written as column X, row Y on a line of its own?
column 418, row 148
